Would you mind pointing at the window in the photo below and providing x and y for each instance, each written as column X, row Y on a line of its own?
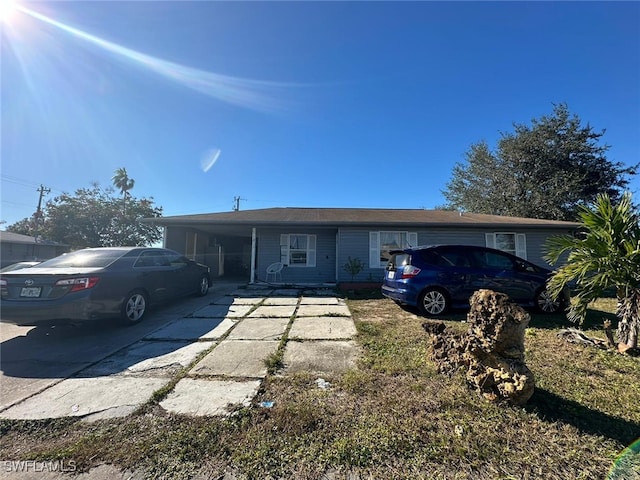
column 152, row 258
column 177, row 260
column 298, row 250
column 450, row 257
column 513, row 243
column 381, row 243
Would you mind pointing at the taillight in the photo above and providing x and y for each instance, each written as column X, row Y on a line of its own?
column 410, row 271
column 78, row 284
column 3, row 283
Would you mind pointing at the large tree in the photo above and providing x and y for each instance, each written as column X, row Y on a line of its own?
column 604, row 254
column 93, row 217
column 545, row 170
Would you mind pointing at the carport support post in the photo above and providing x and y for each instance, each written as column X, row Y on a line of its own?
column 253, row 255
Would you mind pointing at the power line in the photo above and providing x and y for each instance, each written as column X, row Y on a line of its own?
column 22, row 181
column 8, row 202
column 17, row 181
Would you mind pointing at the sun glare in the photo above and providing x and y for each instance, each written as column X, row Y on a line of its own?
column 8, row 9
column 248, row 93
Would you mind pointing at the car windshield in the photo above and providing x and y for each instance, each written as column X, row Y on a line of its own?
column 84, row 258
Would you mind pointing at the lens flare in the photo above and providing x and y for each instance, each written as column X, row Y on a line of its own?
column 247, row 93
column 209, row 159
column 627, row 463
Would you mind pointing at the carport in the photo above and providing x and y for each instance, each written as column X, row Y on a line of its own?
column 240, row 245
column 228, row 250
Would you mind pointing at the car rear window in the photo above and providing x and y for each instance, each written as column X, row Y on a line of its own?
column 399, row 260
column 84, row 258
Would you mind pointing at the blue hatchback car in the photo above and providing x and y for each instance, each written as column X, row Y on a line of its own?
column 437, row 278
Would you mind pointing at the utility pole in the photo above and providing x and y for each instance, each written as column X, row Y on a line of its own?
column 38, row 215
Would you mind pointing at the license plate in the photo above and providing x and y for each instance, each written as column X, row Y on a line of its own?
column 391, row 274
column 31, row 292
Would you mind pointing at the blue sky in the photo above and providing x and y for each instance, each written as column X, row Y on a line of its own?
column 297, row 104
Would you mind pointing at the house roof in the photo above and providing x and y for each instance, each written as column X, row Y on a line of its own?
column 332, row 217
column 11, row 237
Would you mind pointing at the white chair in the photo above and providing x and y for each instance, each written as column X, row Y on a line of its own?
column 275, row 269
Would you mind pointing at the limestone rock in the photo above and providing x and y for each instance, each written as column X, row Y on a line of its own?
column 492, row 350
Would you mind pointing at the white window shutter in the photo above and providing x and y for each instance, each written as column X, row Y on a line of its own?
column 412, row 239
column 521, row 245
column 374, row 250
column 284, row 249
column 490, row 240
column 311, row 251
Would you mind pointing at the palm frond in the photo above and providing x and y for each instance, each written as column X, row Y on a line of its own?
column 604, row 253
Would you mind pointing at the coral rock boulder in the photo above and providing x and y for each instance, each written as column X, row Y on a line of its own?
column 492, row 351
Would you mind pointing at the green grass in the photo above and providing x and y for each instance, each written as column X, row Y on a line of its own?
column 392, row 417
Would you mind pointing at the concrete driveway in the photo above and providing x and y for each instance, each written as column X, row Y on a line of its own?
column 102, row 370
column 33, row 359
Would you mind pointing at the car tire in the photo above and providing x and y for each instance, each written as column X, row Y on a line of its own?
column 545, row 303
column 134, row 307
column 433, row 301
column 203, row 286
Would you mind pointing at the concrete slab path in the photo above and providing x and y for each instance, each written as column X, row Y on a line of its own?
column 237, row 358
column 259, row 329
column 194, row 329
column 322, row 357
column 224, row 343
column 92, row 398
column 322, row 328
column 199, row 397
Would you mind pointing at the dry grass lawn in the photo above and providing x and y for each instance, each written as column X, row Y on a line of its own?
column 392, row 417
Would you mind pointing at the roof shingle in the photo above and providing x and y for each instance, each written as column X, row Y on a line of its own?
column 355, row 217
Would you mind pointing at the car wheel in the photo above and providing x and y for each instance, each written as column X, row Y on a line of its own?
column 433, row 301
column 545, row 303
column 134, row 307
column 203, row 286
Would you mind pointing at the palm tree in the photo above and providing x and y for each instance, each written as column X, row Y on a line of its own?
column 123, row 183
column 604, row 254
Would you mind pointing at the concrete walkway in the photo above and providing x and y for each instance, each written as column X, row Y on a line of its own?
column 223, row 344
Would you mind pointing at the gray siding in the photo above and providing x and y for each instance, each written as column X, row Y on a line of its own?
column 535, row 239
column 354, row 243
column 453, row 237
column 174, row 238
column 269, row 252
column 11, row 252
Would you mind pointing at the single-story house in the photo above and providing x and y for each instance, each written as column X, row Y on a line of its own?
column 314, row 244
column 15, row 247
